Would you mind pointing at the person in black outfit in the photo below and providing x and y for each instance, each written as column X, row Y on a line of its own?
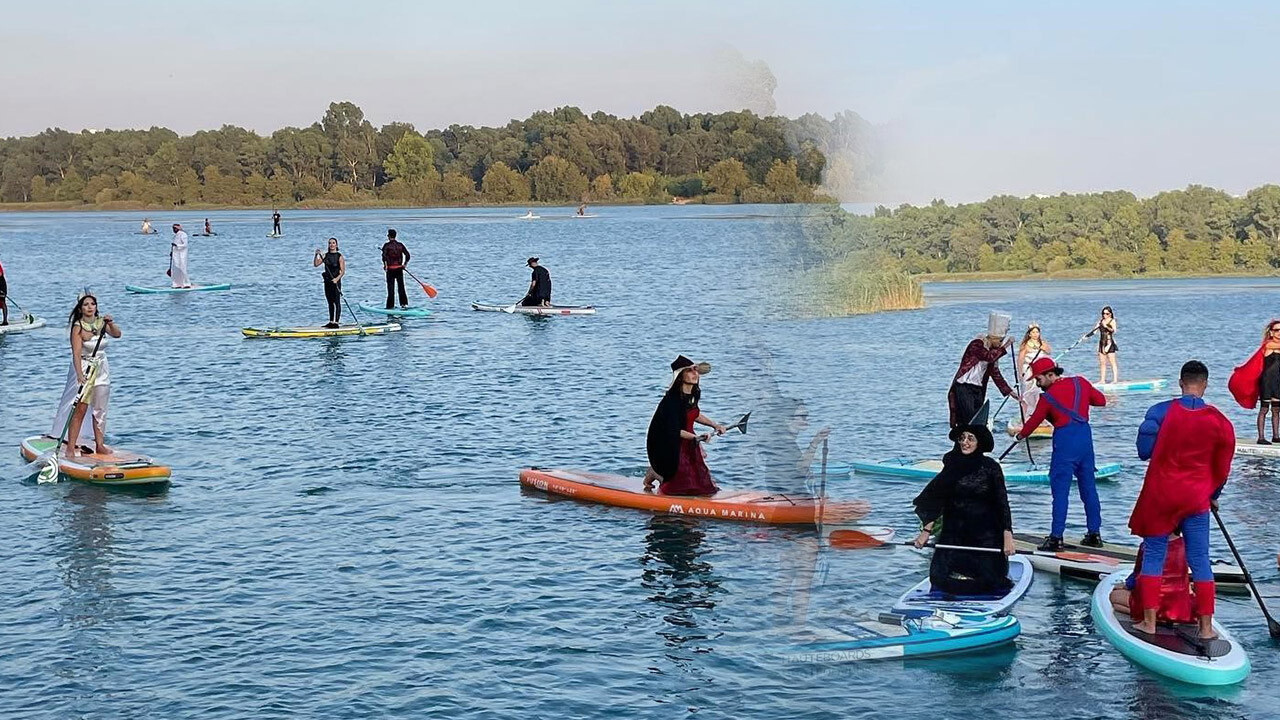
column 335, row 266
column 275, row 222
column 968, row 497
column 394, row 257
column 539, row 286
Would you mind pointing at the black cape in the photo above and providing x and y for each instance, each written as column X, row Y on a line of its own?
column 662, row 442
column 541, row 284
column 969, row 495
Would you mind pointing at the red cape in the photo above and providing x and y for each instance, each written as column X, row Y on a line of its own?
column 1243, row 383
column 1191, row 460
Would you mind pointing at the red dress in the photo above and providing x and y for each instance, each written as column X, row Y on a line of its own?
column 692, row 476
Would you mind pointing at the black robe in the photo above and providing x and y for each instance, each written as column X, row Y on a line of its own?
column 662, row 442
column 969, row 495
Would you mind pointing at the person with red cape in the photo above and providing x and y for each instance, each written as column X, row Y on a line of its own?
column 1189, row 444
column 1256, row 383
column 675, row 453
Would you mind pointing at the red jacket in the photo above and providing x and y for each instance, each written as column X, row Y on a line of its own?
column 1190, row 462
column 1064, row 391
column 1243, row 383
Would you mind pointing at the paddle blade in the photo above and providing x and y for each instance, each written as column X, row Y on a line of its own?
column 853, row 539
column 741, row 425
column 48, row 473
column 430, row 291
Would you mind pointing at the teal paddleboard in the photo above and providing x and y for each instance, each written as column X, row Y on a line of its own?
column 415, row 311
column 1014, row 472
column 193, row 288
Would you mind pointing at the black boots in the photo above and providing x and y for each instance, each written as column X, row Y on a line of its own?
column 1051, row 544
column 1093, row 540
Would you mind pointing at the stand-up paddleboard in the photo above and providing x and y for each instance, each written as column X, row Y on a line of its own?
column 1092, row 564
column 896, row 636
column 1045, row 430
column 744, row 505
column 28, row 322
column 588, row 215
column 121, row 467
column 167, row 290
column 529, row 217
column 925, row 470
column 415, row 311
column 923, row 598
column 1249, row 446
column 1174, row 651
column 275, row 235
column 1133, row 385
column 535, row 309
column 319, row 331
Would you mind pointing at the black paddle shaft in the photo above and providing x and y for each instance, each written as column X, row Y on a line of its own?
column 1272, row 626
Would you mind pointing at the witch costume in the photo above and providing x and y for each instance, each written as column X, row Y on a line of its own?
column 675, row 459
column 969, row 495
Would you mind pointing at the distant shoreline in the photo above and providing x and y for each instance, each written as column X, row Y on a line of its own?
column 130, row 206
column 1078, row 274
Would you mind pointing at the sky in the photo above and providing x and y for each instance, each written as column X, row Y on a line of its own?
column 970, row 99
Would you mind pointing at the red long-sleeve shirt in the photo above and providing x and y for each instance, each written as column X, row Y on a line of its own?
column 1064, row 391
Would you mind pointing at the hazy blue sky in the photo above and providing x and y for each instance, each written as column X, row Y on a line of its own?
column 975, row 98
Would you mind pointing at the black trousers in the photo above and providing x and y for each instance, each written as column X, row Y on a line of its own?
column 967, row 399
column 396, row 278
column 333, row 294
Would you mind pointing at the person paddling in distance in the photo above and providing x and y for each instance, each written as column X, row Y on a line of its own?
column 582, row 209
column 674, row 449
column 395, row 256
column 4, row 297
column 208, row 229
column 979, row 364
column 335, row 266
column 539, row 294
column 1106, row 330
column 1189, row 444
column 86, row 329
column 969, row 496
column 178, row 258
column 1065, row 402
column 146, row 227
column 275, row 222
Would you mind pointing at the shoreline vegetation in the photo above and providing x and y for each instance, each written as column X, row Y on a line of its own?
column 558, row 157
column 863, row 264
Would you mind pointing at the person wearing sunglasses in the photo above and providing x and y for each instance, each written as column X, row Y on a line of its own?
column 1257, row 383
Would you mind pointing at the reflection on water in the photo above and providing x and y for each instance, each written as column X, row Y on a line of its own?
column 677, row 576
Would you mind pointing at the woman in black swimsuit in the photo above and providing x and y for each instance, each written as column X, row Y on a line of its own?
column 335, row 266
column 1269, row 384
column 1106, row 329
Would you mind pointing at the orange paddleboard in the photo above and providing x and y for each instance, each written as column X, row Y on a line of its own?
column 744, row 505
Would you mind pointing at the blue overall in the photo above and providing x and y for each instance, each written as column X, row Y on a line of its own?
column 1072, row 455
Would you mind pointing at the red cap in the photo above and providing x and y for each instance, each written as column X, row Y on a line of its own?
column 1043, row 365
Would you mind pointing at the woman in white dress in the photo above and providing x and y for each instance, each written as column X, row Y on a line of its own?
column 178, row 258
column 88, row 345
column 1031, row 347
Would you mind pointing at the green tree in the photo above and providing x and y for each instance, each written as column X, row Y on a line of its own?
column 636, row 185
column 729, row 177
column 783, row 181
column 457, row 188
column 412, row 159
column 501, row 184
column 555, row 179
column 601, row 187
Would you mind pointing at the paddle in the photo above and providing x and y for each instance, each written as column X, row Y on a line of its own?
column 1272, row 626
column 26, row 315
column 353, row 312
column 822, row 483
column 49, row 471
column 430, row 291
column 859, row 540
column 1022, row 410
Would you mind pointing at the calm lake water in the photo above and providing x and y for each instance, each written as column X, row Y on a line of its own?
column 345, row 536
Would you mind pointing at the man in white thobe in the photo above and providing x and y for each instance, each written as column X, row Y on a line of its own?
column 178, row 258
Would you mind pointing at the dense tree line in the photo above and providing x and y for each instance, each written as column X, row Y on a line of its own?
column 1196, row 230
column 558, row 156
